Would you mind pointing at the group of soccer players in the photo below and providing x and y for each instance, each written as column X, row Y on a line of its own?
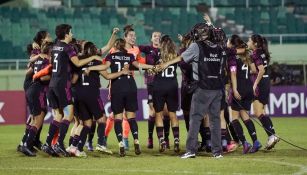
column 67, row 72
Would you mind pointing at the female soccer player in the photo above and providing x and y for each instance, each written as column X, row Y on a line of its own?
column 261, row 86
column 123, row 92
column 239, row 67
column 36, row 95
column 165, row 91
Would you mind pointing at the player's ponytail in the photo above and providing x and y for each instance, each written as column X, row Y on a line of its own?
column 265, row 48
column 120, row 45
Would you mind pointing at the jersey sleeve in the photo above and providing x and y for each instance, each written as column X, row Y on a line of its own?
column 257, row 58
column 70, row 51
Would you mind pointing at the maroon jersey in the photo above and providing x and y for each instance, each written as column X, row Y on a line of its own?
column 61, row 69
column 259, row 58
column 150, row 54
column 123, row 83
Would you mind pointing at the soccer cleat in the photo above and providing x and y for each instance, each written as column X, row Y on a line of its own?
column 71, row 150
column 176, row 145
column 232, row 146
column 19, row 148
column 103, row 149
column 60, row 149
column 26, row 151
column 137, row 148
column 217, row 156
column 256, row 146
column 89, row 146
column 246, row 147
column 80, row 154
column 167, row 145
column 162, row 145
column 272, row 140
column 188, row 155
column 49, row 150
column 122, row 151
column 150, row 143
column 38, row 145
column 126, row 143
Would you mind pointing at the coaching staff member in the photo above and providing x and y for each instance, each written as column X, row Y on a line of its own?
column 207, row 59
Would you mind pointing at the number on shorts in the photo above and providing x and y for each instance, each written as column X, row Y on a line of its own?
column 168, row 72
column 84, row 83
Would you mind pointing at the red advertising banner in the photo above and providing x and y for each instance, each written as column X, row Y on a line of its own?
column 12, row 107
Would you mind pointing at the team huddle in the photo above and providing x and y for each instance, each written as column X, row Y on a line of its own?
column 65, row 75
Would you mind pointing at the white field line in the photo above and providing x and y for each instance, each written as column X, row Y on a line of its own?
column 302, row 169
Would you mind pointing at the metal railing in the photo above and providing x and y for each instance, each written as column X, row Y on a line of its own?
column 280, row 38
column 13, row 64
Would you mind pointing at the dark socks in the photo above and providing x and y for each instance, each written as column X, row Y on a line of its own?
column 267, row 124
column 176, row 132
column 62, row 131
column 239, row 130
column 71, row 138
column 54, row 125
column 31, row 137
column 92, row 132
column 159, row 132
column 25, row 135
column 83, row 136
column 187, row 121
column 151, row 126
column 100, row 133
column 166, row 124
column 38, row 135
column 134, row 128
column 76, row 140
column 118, row 129
column 251, row 129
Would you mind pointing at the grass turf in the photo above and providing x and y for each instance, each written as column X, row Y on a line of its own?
column 284, row 159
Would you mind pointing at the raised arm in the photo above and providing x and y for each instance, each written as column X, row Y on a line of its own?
column 110, row 42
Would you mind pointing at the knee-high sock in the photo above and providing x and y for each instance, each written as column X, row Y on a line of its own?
column 109, row 126
column 134, row 128
column 100, row 133
column 251, row 129
column 167, row 125
column 126, row 128
column 239, row 130
column 118, row 129
column 151, row 126
column 53, row 128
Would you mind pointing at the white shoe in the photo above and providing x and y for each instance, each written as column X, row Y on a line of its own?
column 188, row 155
column 103, row 149
column 272, row 140
column 80, row 154
column 71, row 150
column 217, row 156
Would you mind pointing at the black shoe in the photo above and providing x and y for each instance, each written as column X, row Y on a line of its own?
column 176, row 145
column 38, row 145
column 49, row 150
column 60, row 149
column 122, row 152
column 19, row 148
column 201, row 147
column 137, row 149
column 27, row 151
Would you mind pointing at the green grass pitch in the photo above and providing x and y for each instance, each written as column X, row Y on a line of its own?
column 284, row 159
